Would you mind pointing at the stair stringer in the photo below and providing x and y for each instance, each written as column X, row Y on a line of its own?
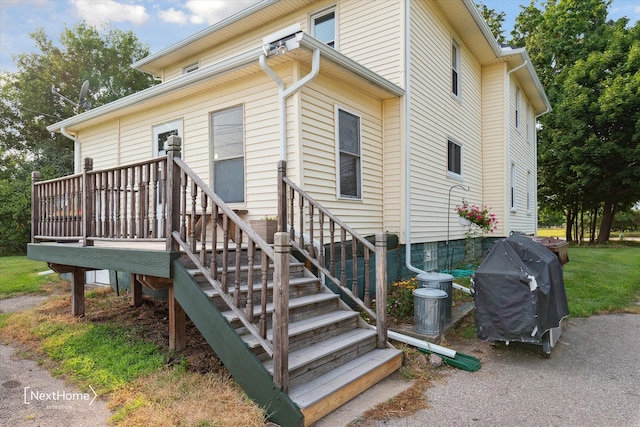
column 245, row 368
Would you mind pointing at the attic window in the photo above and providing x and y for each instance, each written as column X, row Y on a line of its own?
column 190, row 68
column 323, row 26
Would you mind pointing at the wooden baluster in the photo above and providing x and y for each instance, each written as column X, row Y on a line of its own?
column 301, row 216
column 354, row 266
column 154, row 200
column 292, row 229
column 238, row 266
column 140, row 202
column 132, row 207
column 311, row 249
column 184, row 179
column 367, row 280
column 66, row 225
column 58, row 210
column 192, row 230
column 145, row 200
column 250, row 254
column 214, row 243
column 204, row 200
column 125, row 200
column 320, row 256
column 225, row 252
column 98, row 203
column 332, row 248
column 107, row 205
column 118, row 199
column 343, row 257
column 264, row 269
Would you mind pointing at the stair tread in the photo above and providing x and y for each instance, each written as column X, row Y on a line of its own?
column 294, row 281
column 293, row 303
column 323, row 348
column 305, row 325
column 315, row 390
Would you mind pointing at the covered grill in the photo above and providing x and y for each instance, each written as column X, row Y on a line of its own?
column 519, row 294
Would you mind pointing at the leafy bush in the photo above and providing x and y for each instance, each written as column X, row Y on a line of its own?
column 400, row 299
column 15, row 216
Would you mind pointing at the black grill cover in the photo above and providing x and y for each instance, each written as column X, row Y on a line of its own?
column 518, row 291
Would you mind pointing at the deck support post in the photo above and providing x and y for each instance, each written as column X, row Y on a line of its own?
column 282, row 249
column 177, row 323
column 381, row 289
column 136, row 291
column 77, row 291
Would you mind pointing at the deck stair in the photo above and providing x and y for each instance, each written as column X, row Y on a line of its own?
column 332, row 350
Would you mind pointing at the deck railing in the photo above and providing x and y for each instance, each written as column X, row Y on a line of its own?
column 164, row 200
column 329, row 245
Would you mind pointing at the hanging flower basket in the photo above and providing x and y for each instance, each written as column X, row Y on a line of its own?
column 480, row 216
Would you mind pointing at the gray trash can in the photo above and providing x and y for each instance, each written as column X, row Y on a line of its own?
column 440, row 281
column 428, row 310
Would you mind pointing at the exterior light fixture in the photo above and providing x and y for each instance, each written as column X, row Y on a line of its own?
column 282, row 41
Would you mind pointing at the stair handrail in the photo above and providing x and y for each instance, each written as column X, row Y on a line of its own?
column 287, row 186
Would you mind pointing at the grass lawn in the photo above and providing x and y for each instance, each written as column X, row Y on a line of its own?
column 601, row 280
column 19, row 275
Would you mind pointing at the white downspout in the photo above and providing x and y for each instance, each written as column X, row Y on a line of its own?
column 284, row 93
column 76, row 150
column 407, row 133
column 508, row 118
column 535, row 157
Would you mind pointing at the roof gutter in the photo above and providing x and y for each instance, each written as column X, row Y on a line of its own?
column 508, row 122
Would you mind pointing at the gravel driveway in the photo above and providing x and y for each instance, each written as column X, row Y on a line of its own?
column 591, row 379
column 30, row 396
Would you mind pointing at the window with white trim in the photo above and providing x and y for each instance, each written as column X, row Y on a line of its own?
column 227, row 147
column 454, row 159
column 513, row 187
column 349, row 153
column 323, row 26
column 455, row 69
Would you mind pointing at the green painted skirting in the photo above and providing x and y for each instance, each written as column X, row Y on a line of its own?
column 152, row 262
column 246, row 369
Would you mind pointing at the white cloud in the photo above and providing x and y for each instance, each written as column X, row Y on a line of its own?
column 173, row 16
column 198, row 12
column 96, row 12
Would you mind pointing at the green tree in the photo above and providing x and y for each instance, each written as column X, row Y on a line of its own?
column 28, row 106
column 589, row 155
column 495, row 20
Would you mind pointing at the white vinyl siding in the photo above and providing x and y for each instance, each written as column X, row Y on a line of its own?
column 436, row 117
column 371, row 33
column 319, row 102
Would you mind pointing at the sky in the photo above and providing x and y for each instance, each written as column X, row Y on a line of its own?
column 161, row 23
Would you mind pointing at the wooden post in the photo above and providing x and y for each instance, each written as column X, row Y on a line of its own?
column 77, row 292
column 381, row 289
column 177, row 323
column 136, row 291
column 282, row 196
column 87, row 205
column 35, row 206
column 173, row 191
column 280, row 325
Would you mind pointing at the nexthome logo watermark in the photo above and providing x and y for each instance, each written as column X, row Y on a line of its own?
column 57, row 397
